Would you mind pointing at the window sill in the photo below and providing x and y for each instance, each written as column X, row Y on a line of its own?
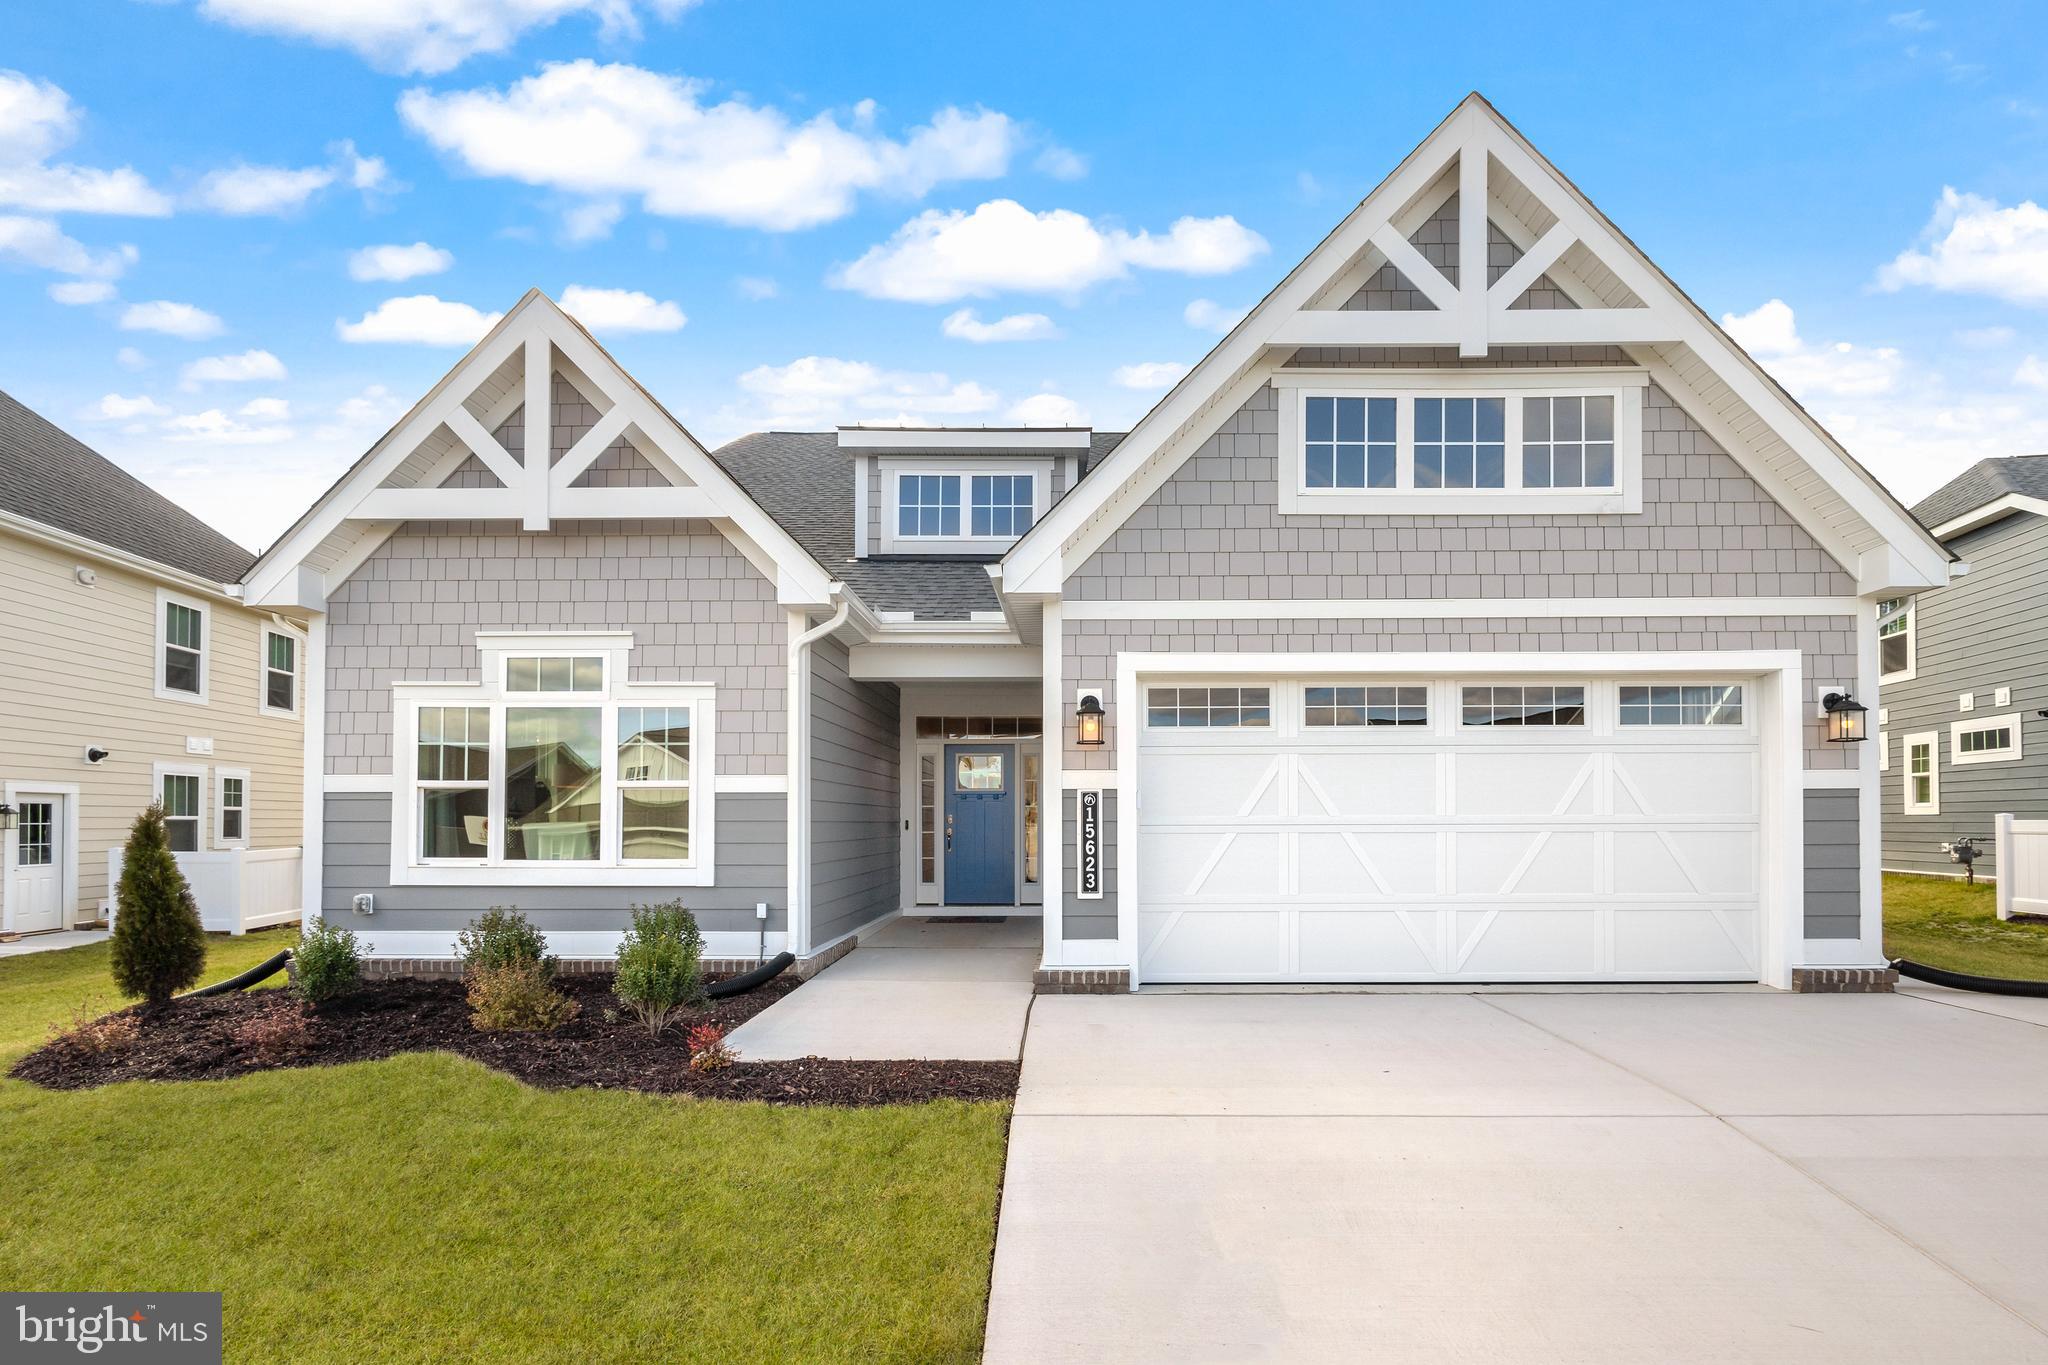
column 173, row 694
column 550, row 874
column 1511, row 502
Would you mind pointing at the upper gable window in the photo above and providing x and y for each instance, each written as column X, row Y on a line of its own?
column 959, row 506
column 1895, row 643
column 1437, row 441
column 928, row 505
column 1001, row 504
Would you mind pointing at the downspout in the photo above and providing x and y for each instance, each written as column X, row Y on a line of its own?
column 799, row 934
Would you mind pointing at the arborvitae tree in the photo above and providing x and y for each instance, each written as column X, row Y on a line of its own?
column 159, row 946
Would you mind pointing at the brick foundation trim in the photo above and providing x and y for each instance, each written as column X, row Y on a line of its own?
column 808, row 967
column 1081, row 981
column 1844, row 980
column 444, row 968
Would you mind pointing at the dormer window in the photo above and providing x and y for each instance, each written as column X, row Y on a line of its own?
column 928, row 505
column 1000, row 504
column 962, row 505
column 1460, row 441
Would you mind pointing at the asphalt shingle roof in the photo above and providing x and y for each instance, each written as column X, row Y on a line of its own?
column 1984, row 481
column 50, row 476
column 805, row 481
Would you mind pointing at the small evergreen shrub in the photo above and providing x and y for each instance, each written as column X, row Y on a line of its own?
column 708, row 1049
column 502, row 937
column 659, row 974
column 327, row 964
column 159, row 947
column 517, row 997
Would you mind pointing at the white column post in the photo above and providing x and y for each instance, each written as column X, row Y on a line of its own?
column 1053, row 836
column 313, row 776
column 1869, row 795
column 798, row 707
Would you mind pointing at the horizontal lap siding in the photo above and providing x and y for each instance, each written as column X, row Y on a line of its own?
column 1984, row 632
column 752, row 850
column 1833, row 853
column 855, row 798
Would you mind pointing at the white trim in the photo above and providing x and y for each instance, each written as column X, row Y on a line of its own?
column 1884, row 752
column 896, row 469
column 1990, row 512
column 573, row 944
column 297, row 636
column 363, row 784
column 1094, row 779
column 944, row 440
column 1957, row 729
column 863, row 466
column 14, row 793
column 762, row 784
column 85, row 547
column 1052, row 786
column 1836, row 779
column 1392, row 609
column 159, row 771
column 165, row 598
column 313, row 773
column 945, row 663
column 802, row 635
column 221, row 777
column 1932, row 806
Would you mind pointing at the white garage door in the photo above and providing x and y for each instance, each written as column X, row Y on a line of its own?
column 1450, row 830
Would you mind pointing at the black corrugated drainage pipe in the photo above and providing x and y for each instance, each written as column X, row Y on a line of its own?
column 1963, row 981
column 746, row 981
column 260, row 972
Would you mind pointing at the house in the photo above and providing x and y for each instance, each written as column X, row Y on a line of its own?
column 135, row 672
column 1962, row 669
column 1466, row 614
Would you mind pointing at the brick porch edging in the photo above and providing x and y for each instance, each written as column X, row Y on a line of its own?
column 444, row 968
column 1081, row 981
column 1844, row 980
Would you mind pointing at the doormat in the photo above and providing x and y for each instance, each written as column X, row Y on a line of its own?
column 968, row 919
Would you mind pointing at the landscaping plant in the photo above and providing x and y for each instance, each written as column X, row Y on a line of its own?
column 328, row 963
column 708, row 1049
column 517, row 997
column 159, row 947
column 93, row 1033
column 500, row 937
column 275, row 1034
column 659, row 974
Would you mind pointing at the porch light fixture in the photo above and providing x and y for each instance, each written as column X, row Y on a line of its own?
column 1845, row 718
column 8, row 817
column 1088, row 721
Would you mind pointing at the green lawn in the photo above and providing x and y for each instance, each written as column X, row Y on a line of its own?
column 428, row 1208
column 1948, row 924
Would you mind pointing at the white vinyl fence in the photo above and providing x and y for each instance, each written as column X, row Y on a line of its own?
column 238, row 889
column 2022, row 852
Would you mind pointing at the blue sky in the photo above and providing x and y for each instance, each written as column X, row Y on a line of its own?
column 778, row 214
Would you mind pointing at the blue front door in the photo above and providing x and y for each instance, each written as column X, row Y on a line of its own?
column 980, row 830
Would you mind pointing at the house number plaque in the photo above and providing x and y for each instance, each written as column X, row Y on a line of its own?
column 1088, row 873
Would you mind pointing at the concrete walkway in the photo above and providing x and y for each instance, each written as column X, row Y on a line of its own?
column 53, row 942
column 957, row 992
column 1542, row 1177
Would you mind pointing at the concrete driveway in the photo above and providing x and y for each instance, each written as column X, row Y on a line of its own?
column 1734, row 1176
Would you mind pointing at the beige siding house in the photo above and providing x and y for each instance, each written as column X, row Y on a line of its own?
column 135, row 674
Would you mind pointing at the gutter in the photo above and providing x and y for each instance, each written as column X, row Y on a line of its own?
column 799, row 692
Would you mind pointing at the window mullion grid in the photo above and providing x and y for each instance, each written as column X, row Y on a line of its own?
column 1404, row 442
column 1511, row 433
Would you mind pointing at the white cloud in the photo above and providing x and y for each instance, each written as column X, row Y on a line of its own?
column 1150, row 374
column 756, row 287
column 248, row 367
column 1771, row 334
column 114, row 408
column 616, row 131
column 1048, row 410
column 366, row 173
column 1973, row 246
column 395, row 262
column 1910, row 21
column 38, row 120
column 2032, row 373
column 172, row 319
column 1061, row 163
column 217, row 427
column 77, row 292
column 620, row 310
column 1986, row 338
column 592, row 221
column 942, row 255
column 426, row 37
column 822, row 390
column 128, row 358
column 249, row 191
column 965, row 326
column 368, row 413
column 265, row 409
column 38, row 242
column 1207, row 315
column 421, row 320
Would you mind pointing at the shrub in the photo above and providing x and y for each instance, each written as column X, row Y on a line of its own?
column 517, row 997
column 659, row 975
column 501, row 937
column 159, row 947
column 328, row 963
column 275, row 1034
column 97, row 1035
column 708, row 1050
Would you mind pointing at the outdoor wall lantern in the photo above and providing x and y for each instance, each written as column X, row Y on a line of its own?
column 1845, row 718
column 1088, row 720
column 8, row 817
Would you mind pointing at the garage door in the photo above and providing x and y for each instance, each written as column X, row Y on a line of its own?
column 1488, row 829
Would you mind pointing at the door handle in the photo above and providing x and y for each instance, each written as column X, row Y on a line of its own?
column 949, row 833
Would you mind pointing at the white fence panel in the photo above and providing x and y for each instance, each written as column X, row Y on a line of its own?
column 2022, row 851
column 237, row 889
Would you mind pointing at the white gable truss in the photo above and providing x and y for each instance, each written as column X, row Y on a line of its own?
column 1619, row 299
column 407, row 475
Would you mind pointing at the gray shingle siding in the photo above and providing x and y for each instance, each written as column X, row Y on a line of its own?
column 1089, row 919
column 855, row 796
column 1982, row 632
column 1834, row 907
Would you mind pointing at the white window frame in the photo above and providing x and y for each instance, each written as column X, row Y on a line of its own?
column 165, row 598
column 1742, row 701
column 1932, row 805
column 161, row 771
column 489, row 693
column 1884, row 752
column 263, row 671
column 1296, row 387
column 221, row 778
column 1589, row 722
column 1911, row 632
column 895, row 470
column 1957, row 729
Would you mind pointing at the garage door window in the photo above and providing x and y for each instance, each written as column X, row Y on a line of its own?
column 1209, row 708
column 1682, row 704
column 1525, row 705
column 1347, row 706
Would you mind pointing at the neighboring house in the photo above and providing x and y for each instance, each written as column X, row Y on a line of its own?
column 1961, row 728
column 1463, row 615
column 134, row 673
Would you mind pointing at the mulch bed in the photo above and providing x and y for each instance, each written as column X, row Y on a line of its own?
column 603, row 1048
